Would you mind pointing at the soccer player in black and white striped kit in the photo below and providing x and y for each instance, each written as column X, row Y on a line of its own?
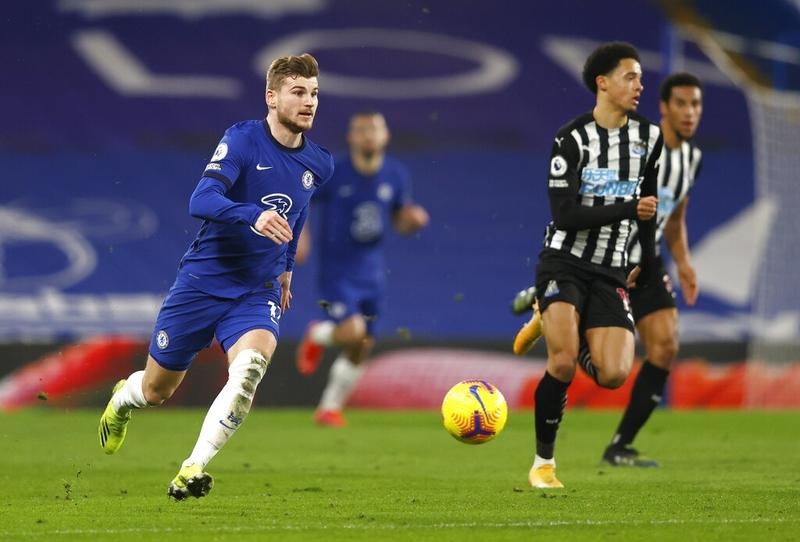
column 653, row 304
column 603, row 180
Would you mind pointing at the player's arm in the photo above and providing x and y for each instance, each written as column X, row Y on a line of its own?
column 209, row 200
column 645, row 220
column 410, row 218
column 303, row 245
column 292, row 247
column 564, row 185
column 675, row 234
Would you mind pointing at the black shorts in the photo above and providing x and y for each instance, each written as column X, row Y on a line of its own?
column 656, row 295
column 598, row 293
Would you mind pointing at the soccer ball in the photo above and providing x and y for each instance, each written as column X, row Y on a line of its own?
column 474, row 411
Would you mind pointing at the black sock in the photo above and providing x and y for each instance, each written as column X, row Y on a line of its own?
column 645, row 397
column 550, row 399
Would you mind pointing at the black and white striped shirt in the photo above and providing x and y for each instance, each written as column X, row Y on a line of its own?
column 596, row 178
column 679, row 169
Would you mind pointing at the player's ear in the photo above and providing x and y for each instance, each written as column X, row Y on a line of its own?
column 270, row 98
column 601, row 81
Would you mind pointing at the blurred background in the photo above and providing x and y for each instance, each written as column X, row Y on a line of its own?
column 112, row 108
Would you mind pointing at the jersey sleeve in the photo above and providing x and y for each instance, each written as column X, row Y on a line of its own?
column 232, row 155
column 209, row 200
column 647, row 228
column 564, row 187
column 403, row 195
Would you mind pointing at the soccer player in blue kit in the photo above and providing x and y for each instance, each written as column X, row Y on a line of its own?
column 234, row 281
column 368, row 191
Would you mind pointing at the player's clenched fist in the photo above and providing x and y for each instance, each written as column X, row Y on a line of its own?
column 646, row 208
column 273, row 226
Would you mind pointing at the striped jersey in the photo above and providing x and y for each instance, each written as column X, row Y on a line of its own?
column 679, row 169
column 598, row 174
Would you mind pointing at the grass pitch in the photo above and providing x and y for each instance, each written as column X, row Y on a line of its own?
column 398, row 476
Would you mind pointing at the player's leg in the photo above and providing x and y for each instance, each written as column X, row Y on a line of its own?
column 357, row 340
column 248, row 333
column 608, row 350
column 354, row 335
column 659, row 333
column 532, row 330
column 612, row 353
column 561, row 333
column 326, row 333
column 181, row 329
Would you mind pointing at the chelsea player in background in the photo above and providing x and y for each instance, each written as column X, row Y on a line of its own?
column 234, row 281
column 368, row 192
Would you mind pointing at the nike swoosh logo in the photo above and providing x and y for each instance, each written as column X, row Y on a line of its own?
column 259, row 167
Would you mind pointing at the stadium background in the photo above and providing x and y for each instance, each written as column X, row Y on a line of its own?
column 112, row 108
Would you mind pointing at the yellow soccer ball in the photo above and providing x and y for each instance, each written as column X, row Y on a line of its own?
column 474, row 411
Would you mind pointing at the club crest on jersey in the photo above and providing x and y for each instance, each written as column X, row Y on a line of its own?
column 385, row 192
column 558, row 166
column 220, row 152
column 638, row 148
column 307, row 180
column 162, row 339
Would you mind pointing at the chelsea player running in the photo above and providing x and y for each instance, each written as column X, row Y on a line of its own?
column 234, row 281
column 368, row 192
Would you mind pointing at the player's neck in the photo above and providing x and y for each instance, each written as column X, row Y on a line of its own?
column 367, row 164
column 671, row 138
column 608, row 117
column 284, row 135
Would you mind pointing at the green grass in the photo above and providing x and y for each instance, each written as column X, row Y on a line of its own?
column 398, row 476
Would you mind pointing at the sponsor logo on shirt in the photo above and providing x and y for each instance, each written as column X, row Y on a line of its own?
column 605, row 182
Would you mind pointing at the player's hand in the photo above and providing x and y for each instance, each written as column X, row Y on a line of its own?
column 689, row 287
column 410, row 218
column 632, row 276
column 274, row 227
column 646, row 207
column 285, row 280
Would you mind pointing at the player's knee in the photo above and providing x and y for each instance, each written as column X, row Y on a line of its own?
column 562, row 365
column 612, row 378
column 155, row 394
column 352, row 331
column 662, row 352
column 247, row 369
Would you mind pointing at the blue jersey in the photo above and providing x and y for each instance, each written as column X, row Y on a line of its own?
column 250, row 172
column 354, row 212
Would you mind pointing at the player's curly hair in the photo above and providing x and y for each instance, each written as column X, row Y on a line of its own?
column 604, row 59
column 680, row 79
column 292, row 66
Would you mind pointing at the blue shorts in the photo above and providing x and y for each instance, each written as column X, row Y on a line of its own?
column 344, row 298
column 189, row 319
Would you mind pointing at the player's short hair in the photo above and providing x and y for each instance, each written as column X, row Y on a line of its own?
column 680, row 79
column 292, row 66
column 604, row 59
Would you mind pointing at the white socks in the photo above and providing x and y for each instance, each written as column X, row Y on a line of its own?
column 131, row 395
column 322, row 332
column 342, row 379
column 539, row 461
column 230, row 408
